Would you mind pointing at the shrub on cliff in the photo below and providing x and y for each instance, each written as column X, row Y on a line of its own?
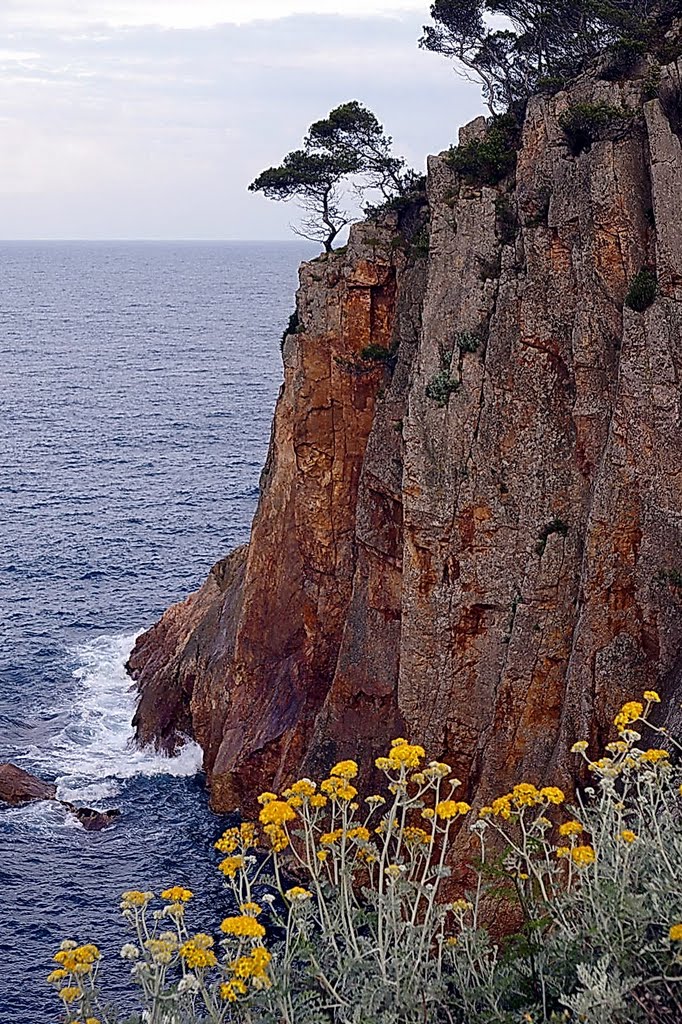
column 488, row 160
column 364, row 932
column 642, row 291
column 514, row 46
column 586, row 123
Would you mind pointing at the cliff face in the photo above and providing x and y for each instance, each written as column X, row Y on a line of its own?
column 475, row 542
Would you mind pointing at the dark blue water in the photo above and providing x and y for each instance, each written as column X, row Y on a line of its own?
column 137, row 383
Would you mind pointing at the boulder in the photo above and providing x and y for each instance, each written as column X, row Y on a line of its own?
column 20, row 787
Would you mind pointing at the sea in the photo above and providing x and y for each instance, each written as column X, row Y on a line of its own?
column 137, row 385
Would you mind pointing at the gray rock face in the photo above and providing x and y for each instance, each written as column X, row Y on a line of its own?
column 477, row 543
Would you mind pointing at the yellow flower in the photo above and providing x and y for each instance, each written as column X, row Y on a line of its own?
column 229, row 841
column 394, row 871
column 570, row 828
column 460, row 906
column 329, row 838
column 345, row 770
column 251, row 908
column 525, row 795
column 318, row 800
column 416, row 836
column 583, row 855
column 375, row 800
column 627, row 835
column 399, row 742
column 57, row 975
column 652, row 697
column 405, row 755
column 279, row 840
column 304, row 788
column 654, row 756
column 177, row 894
column 360, row 834
column 451, row 940
column 485, row 812
column 437, row 770
column 322, row 855
column 451, row 808
column 563, row 851
column 675, row 933
column 427, row 813
column 502, row 806
column 630, row 712
column 253, row 966
column 197, row 953
column 92, row 1020
column 338, row 789
column 295, row 801
column 580, row 747
column 70, row 993
column 231, row 865
column 135, row 898
column 276, row 812
column 298, row 893
column 161, row 950
column 552, row 795
column 244, row 927
column 267, row 798
column 231, row 990
column 617, row 747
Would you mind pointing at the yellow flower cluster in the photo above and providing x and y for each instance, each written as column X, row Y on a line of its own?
column 345, row 770
column 523, row 795
column 298, row 894
column 245, row 837
column 162, row 949
column 197, row 952
column 244, row 927
column 255, row 965
column 570, row 828
column 135, row 899
column 338, row 788
column 277, row 837
column 303, row 789
column 630, row 712
column 359, row 834
column 231, row 865
column 654, row 756
column 401, row 755
column 675, row 933
column 583, row 855
column 76, row 959
column 176, row 894
column 627, row 835
column 451, row 809
column 251, row 908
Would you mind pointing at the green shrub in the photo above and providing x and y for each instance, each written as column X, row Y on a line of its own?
column 366, row 933
column 586, row 123
column 293, row 327
column 441, row 387
column 488, row 160
column 376, row 354
column 467, row 341
column 642, row 291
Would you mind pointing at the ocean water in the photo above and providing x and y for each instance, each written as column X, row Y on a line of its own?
column 137, row 383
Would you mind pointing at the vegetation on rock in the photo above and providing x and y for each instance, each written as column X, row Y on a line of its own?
column 642, row 291
column 586, row 123
column 350, row 145
column 488, row 160
column 514, row 47
column 341, row 908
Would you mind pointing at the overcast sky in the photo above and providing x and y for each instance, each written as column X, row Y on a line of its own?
column 149, row 118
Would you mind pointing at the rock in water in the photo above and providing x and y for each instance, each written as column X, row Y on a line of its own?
column 20, row 787
column 93, row 821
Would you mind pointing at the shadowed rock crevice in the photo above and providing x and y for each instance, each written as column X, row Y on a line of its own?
column 473, row 540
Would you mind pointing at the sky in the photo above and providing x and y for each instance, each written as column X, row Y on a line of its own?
column 124, row 119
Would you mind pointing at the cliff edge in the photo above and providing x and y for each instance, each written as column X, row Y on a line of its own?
column 470, row 522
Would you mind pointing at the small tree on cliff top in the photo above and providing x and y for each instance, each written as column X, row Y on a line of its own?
column 349, row 144
column 513, row 46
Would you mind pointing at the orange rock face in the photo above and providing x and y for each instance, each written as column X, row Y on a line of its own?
column 492, row 574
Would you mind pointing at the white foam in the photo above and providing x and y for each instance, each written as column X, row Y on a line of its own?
column 96, row 749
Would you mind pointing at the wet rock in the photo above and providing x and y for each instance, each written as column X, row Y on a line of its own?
column 93, row 821
column 20, row 787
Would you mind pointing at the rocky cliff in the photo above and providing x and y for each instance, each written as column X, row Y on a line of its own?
column 470, row 518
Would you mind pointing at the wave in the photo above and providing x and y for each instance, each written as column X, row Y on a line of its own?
column 95, row 751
